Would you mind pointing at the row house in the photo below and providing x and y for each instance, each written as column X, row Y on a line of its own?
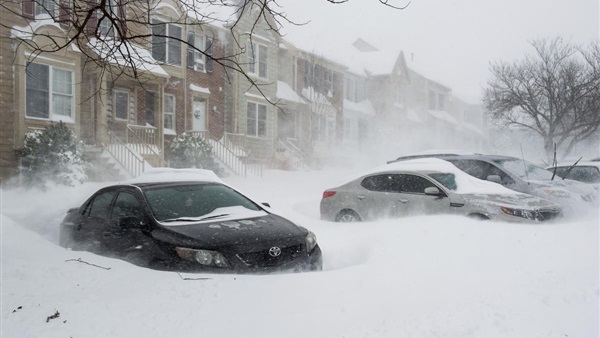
column 290, row 107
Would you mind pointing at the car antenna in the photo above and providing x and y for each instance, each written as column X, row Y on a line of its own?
column 571, row 168
column 524, row 166
column 554, row 164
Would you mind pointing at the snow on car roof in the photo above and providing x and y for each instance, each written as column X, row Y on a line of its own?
column 155, row 175
column 466, row 184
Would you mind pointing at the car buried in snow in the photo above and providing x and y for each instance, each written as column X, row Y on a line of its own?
column 188, row 221
column 520, row 175
column 429, row 186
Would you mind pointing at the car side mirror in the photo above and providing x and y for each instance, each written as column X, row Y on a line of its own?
column 494, row 178
column 266, row 204
column 432, row 191
column 132, row 222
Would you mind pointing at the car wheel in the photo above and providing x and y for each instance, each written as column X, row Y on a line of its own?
column 347, row 216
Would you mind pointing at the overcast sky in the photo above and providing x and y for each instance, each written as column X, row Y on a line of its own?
column 452, row 40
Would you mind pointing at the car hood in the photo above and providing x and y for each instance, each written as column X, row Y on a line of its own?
column 240, row 232
column 520, row 201
column 565, row 189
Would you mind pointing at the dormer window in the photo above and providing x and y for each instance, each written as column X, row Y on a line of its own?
column 106, row 26
column 46, row 7
column 257, row 60
column 166, row 42
column 197, row 60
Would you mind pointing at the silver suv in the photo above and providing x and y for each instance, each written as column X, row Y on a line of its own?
column 519, row 175
column 429, row 186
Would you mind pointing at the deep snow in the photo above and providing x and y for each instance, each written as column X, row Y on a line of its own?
column 414, row 277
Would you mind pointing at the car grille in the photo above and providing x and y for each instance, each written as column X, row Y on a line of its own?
column 262, row 258
column 546, row 215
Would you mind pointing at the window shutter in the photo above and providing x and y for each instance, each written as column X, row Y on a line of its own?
column 64, row 14
column 28, row 8
column 190, row 50
column 123, row 17
column 92, row 24
column 209, row 53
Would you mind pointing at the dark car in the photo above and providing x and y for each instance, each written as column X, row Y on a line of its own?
column 519, row 175
column 188, row 225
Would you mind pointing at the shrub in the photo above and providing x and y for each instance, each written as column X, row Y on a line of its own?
column 52, row 154
column 192, row 151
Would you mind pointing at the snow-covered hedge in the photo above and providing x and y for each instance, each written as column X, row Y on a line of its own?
column 52, row 155
column 192, row 151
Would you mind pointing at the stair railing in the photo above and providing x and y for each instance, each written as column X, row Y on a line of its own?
column 128, row 159
column 143, row 141
column 228, row 157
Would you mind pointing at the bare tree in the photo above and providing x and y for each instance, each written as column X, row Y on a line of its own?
column 554, row 93
column 116, row 34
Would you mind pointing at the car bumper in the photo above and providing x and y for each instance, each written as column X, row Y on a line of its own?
column 312, row 261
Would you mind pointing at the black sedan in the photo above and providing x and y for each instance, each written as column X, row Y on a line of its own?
column 188, row 226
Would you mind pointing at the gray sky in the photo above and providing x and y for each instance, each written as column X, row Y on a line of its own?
column 453, row 41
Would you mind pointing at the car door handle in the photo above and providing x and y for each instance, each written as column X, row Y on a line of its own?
column 361, row 197
column 106, row 234
column 403, row 200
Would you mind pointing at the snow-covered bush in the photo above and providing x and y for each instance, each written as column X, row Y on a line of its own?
column 52, row 155
column 192, row 151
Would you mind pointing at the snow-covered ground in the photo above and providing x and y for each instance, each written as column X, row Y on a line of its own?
column 413, row 277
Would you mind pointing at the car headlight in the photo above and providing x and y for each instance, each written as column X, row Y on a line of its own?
column 204, row 257
column 311, row 241
column 557, row 193
column 519, row 213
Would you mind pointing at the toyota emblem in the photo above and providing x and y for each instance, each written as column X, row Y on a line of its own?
column 275, row 251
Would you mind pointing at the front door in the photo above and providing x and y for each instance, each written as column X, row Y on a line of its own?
column 199, row 115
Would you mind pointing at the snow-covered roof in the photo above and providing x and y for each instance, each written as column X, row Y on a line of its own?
column 285, row 92
column 365, row 107
column 140, row 56
column 444, row 116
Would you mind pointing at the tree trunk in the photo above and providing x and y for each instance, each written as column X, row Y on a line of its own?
column 549, row 148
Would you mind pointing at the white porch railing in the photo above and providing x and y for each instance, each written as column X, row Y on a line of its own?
column 144, row 140
column 128, row 159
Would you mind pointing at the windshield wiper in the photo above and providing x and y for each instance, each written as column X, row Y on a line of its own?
column 186, row 219
column 571, row 168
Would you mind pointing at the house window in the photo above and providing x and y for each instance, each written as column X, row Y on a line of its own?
column 257, row 120
column 46, row 7
column 197, row 60
column 105, row 26
column 350, row 90
column 166, row 42
column 328, row 82
column 121, row 104
column 441, row 105
column 169, row 112
column 397, row 94
column 307, row 74
column 49, row 92
column 432, row 100
column 257, row 60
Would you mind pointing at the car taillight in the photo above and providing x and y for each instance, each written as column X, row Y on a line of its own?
column 328, row 193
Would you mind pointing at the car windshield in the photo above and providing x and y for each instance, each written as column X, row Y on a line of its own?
column 194, row 202
column 525, row 170
column 447, row 180
column 585, row 174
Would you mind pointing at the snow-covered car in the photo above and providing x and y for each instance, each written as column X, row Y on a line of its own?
column 586, row 172
column 520, row 175
column 429, row 186
column 188, row 220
